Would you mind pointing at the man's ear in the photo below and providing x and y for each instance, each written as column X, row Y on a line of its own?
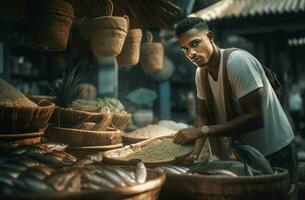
column 210, row 35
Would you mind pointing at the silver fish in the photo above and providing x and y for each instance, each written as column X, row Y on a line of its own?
column 74, row 184
column 48, row 160
column 14, row 165
column 60, row 179
column 219, row 172
column 124, row 174
column 90, row 186
column 99, row 180
column 141, row 173
column 10, row 172
column 253, row 157
column 232, row 166
column 6, row 179
column 33, row 184
column 182, row 170
column 112, row 176
column 168, row 170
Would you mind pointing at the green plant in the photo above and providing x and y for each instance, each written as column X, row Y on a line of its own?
column 68, row 89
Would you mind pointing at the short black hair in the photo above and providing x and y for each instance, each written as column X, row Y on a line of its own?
column 190, row 22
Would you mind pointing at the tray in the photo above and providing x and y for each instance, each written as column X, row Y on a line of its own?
column 79, row 137
column 116, row 156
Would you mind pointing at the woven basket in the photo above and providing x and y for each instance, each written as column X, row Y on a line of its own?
column 25, row 119
column 152, row 55
column 9, row 144
column 197, row 187
column 67, row 116
column 107, row 33
column 50, row 22
column 77, row 137
column 131, row 50
column 120, row 120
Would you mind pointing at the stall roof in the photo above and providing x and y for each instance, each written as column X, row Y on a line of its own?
column 142, row 13
column 249, row 8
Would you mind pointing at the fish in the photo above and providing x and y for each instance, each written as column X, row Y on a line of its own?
column 93, row 178
column 90, row 186
column 50, row 147
column 44, row 169
column 235, row 167
column 48, row 160
column 168, row 170
column 10, row 172
column 7, row 180
column 60, row 179
column 112, row 176
column 62, row 156
column 38, row 172
column 30, row 183
column 124, row 174
column 27, row 161
column 252, row 157
column 219, row 172
column 14, row 165
column 140, row 173
column 74, row 184
column 8, row 190
column 182, row 170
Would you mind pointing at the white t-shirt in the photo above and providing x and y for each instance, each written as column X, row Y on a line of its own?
column 246, row 74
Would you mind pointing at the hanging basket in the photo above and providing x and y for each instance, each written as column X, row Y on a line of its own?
column 131, row 50
column 107, row 34
column 152, row 55
column 49, row 22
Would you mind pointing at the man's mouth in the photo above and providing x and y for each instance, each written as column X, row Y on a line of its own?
column 196, row 60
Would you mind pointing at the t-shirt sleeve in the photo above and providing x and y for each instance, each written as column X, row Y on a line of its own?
column 244, row 73
column 199, row 83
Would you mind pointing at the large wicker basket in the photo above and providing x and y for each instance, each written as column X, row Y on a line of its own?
column 50, row 22
column 79, row 137
column 152, row 55
column 25, row 119
column 131, row 50
column 199, row 187
column 64, row 116
column 107, row 34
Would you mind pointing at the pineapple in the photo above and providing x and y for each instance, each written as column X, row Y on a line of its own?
column 68, row 89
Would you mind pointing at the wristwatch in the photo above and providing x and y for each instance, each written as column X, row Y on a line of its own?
column 205, row 130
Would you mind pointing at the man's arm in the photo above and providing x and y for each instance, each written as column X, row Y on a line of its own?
column 251, row 120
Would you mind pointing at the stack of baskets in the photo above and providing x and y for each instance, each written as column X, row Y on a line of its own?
column 22, row 122
column 84, row 131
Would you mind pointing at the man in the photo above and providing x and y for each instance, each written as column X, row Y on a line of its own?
column 260, row 120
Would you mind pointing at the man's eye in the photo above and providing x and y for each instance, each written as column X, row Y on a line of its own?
column 194, row 43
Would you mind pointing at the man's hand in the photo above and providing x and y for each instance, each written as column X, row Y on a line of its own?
column 187, row 135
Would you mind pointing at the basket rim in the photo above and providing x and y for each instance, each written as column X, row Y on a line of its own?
column 20, row 135
column 50, row 104
column 85, row 131
column 79, row 111
column 240, row 179
column 155, row 183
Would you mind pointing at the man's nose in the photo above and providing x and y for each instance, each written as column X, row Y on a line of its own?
column 192, row 52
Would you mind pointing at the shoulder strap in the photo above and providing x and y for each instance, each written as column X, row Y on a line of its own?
column 209, row 99
column 230, row 111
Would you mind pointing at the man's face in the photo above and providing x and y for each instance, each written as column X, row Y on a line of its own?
column 197, row 46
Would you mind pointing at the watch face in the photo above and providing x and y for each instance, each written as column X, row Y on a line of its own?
column 205, row 129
